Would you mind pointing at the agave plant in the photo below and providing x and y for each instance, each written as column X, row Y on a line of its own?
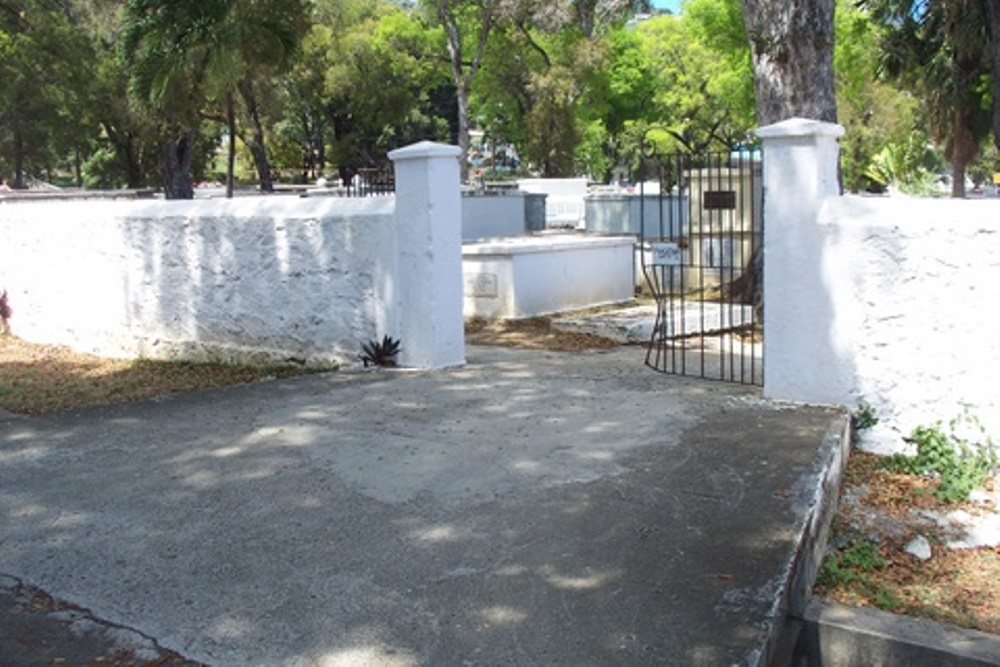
column 380, row 353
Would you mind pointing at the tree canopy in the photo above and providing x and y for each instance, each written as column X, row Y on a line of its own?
column 163, row 93
column 942, row 50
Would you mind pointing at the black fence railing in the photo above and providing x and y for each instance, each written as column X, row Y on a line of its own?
column 372, row 182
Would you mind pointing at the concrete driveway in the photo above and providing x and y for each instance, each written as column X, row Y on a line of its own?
column 530, row 508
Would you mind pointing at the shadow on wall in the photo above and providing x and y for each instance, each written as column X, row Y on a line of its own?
column 276, row 279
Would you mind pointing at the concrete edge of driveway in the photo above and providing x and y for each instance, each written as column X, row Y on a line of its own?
column 813, row 532
column 832, row 635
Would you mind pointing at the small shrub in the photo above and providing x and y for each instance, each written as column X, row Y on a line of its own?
column 960, row 466
column 382, row 353
column 863, row 417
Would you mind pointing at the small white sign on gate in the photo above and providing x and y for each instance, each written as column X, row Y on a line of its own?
column 666, row 254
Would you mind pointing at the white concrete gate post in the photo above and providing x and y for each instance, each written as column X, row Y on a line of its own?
column 801, row 355
column 428, row 284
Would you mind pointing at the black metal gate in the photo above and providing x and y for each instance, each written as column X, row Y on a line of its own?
column 701, row 249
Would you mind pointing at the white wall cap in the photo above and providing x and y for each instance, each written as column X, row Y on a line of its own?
column 424, row 149
column 526, row 245
column 799, row 127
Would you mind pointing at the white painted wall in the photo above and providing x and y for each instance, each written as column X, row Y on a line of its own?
column 526, row 277
column 914, row 294
column 244, row 279
column 886, row 301
column 250, row 279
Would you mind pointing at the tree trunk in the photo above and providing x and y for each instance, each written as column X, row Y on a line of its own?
column 464, row 71
column 961, row 149
column 957, row 180
column 124, row 146
column 993, row 24
column 176, row 157
column 257, row 148
column 462, row 93
column 231, row 154
column 791, row 43
column 19, row 151
column 78, row 167
column 319, row 154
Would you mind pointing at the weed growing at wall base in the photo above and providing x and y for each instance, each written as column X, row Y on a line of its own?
column 863, row 417
column 960, row 466
column 854, row 567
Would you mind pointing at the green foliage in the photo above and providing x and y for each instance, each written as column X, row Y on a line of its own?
column 672, row 83
column 704, row 84
column 911, row 166
column 848, row 566
column 941, row 51
column 874, row 113
column 338, row 83
column 864, row 417
column 43, row 70
column 369, row 79
column 959, row 465
column 382, row 353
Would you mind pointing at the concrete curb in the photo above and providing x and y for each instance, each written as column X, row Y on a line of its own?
column 833, row 635
column 814, row 530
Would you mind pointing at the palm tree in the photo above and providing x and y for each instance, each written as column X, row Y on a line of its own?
column 253, row 41
column 157, row 38
column 185, row 53
column 942, row 49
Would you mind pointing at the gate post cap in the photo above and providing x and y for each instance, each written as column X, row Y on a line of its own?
column 424, row 149
column 800, row 127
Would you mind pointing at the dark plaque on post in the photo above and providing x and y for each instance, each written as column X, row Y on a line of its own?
column 719, row 200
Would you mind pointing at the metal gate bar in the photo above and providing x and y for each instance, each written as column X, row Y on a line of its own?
column 701, row 258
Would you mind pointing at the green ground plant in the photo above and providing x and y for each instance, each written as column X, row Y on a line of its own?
column 864, row 417
column 960, row 464
column 854, row 567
